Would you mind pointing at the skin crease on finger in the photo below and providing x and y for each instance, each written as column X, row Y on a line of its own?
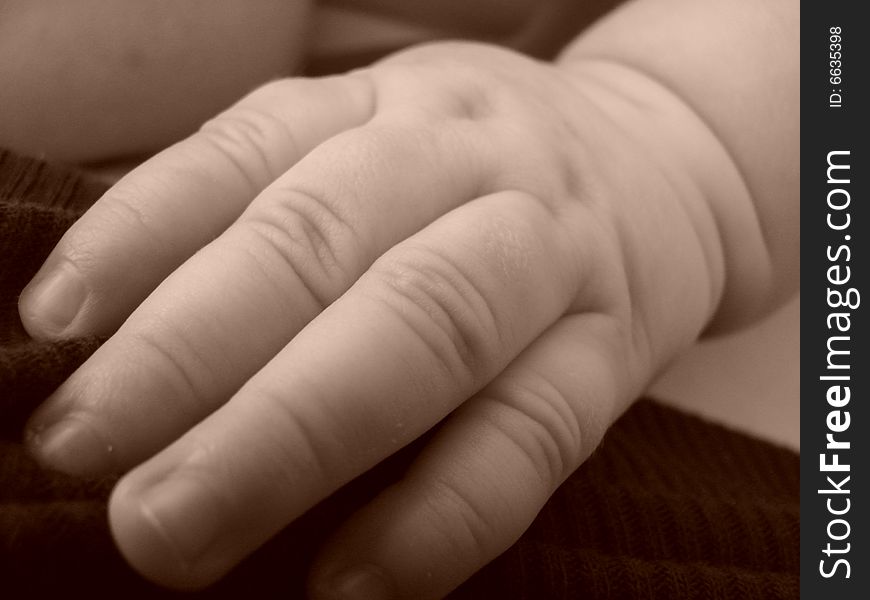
column 152, row 518
column 671, row 278
column 132, row 519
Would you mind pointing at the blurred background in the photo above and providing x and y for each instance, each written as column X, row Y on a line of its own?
column 749, row 380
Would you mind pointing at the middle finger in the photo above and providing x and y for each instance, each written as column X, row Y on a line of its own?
column 231, row 307
column 427, row 326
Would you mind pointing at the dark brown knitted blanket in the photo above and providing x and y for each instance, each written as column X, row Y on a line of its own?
column 668, row 507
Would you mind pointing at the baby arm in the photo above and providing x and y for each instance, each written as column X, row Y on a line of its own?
column 458, row 235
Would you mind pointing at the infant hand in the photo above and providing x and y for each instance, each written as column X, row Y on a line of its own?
column 334, row 266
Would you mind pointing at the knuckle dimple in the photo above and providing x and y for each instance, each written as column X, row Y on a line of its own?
column 446, row 311
column 455, row 90
column 471, row 98
column 475, row 105
column 310, row 240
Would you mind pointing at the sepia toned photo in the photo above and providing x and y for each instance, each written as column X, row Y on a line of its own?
column 394, row 299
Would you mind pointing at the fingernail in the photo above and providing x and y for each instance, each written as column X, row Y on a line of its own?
column 72, row 446
column 53, row 302
column 183, row 513
column 366, row 582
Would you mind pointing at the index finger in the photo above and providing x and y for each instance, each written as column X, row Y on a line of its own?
column 423, row 330
column 166, row 209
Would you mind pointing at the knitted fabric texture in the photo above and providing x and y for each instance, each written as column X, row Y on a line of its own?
column 668, row 507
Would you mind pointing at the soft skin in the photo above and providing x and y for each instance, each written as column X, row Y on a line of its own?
column 460, row 234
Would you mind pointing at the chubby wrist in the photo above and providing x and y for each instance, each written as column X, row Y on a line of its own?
column 686, row 203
